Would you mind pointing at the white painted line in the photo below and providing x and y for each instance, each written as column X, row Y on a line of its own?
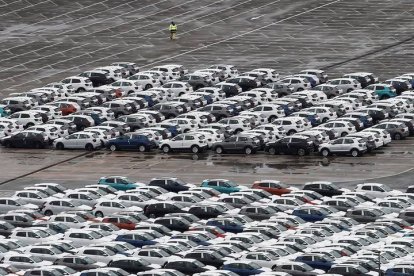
column 10, row 3
column 17, row 46
column 257, row 17
column 32, row 51
column 112, row 18
column 243, row 34
column 78, row 66
column 42, row 57
column 26, row 7
column 50, row 65
column 175, row 16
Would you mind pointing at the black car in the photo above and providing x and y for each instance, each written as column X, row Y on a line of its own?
column 81, row 121
column 323, row 188
column 246, row 83
column 97, row 78
column 290, row 145
column 159, row 209
column 6, row 228
column 206, row 257
column 207, row 211
column 77, row 263
column 282, row 89
column 131, row 265
column 186, row 266
column 26, row 139
column 170, row 184
column 196, row 81
column 231, row 89
column 174, row 223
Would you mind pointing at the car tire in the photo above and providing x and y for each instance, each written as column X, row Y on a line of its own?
column 291, row 132
column 324, row 120
column 60, row 146
column 113, row 148
column 80, row 90
column 218, row 150
column 238, row 131
column 272, row 118
column 349, row 90
column 325, row 152
column 165, row 149
column 301, row 152
column 142, row 148
column 99, row 214
column 248, row 150
column 29, row 125
column 397, row 136
column 343, row 134
column 299, row 89
column 195, row 149
column 272, row 151
column 355, row 152
column 48, row 213
column 89, row 147
column 148, row 86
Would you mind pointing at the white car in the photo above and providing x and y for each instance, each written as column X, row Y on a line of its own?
column 377, row 190
column 98, row 254
column 291, row 125
column 66, row 88
column 216, row 93
column 236, row 124
column 78, row 140
column 56, row 206
column 106, row 112
column 177, row 88
column 374, row 137
column 114, row 72
column 52, row 131
column 27, row 118
column 385, row 136
column 147, row 81
column 127, row 86
column 174, row 71
column 297, row 83
column 79, row 84
column 52, row 111
column 193, row 142
column 346, row 84
column 342, row 127
column 229, row 70
column 278, row 131
column 11, row 125
column 24, row 261
column 32, row 197
column 354, row 146
column 109, row 207
column 270, row 74
column 86, row 237
column 154, row 256
column 32, row 235
column 44, row 252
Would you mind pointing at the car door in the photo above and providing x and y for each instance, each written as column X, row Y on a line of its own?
column 337, row 145
column 71, row 140
column 177, row 142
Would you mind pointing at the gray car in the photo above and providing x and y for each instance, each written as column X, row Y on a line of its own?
column 364, row 215
column 330, row 90
column 397, row 130
column 282, row 89
column 240, row 143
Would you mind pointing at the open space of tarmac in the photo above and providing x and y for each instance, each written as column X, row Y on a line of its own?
column 42, row 41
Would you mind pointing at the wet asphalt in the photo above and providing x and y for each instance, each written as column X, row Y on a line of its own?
column 46, row 40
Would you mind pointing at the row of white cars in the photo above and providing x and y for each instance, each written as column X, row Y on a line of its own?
column 271, row 229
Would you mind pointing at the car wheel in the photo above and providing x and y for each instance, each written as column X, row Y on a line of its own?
column 166, row 149
column 142, row 148
column 248, row 150
column 355, row 153
column 324, row 120
column 195, row 149
column 99, row 214
column 148, row 86
column 80, row 90
column 291, row 132
column 48, row 213
column 272, row 151
column 301, row 152
column 29, row 125
column 113, row 148
column 219, row 150
column 272, row 118
column 325, row 152
column 397, row 136
column 343, row 134
column 89, row 147
column 238, row 131
column 60, row 146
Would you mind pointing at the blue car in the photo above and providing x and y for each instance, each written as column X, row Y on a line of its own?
column 4, row 111
column 131, row 141
column 310, row 214
column 135, row 239
column 316, row 261
column 400, row 270
column 227, row 225
column 174, row 129
column 243, row 268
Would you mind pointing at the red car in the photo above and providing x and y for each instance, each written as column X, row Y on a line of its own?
column 212, row 229
column 271, row 186
column 66, row 108
column 123, row 222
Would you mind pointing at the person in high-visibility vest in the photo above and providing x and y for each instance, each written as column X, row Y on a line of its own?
column 173, row 30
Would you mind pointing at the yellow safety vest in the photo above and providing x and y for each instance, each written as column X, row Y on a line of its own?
column 173, row 28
